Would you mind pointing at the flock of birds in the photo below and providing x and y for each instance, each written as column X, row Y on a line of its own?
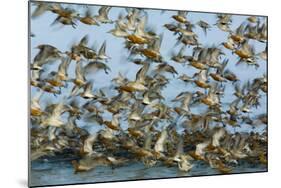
column 136, row 122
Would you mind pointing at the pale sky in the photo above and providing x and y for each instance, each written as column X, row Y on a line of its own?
column 63, row 37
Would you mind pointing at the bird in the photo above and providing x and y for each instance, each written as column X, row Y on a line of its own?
column 53, row 118
column 35, row 107
column 182, row 159
column 160, row 93
column 159, row 145
column 204, row 25
column 180, row 57
column 96, row 66
column 165, row 67
column 88, row 19
column 252, row 19
column 212, row 97
column 87, row 148
column 62, row 72
column 185, row 78
column 219, row 75
column 202, row 79
column 153, row 50
column 40, row 9
column 80, row 80
column 118, row 31
column 238, row 36
column 47, row 53
column 229, row 75
column 114, row 123
column 101, row 53
column 88, row 163
column 132, row 19
column 230, row 44
column 223, row 22
column 88, row 93
column 185, row 98
column 102, row 16
column 181, row 17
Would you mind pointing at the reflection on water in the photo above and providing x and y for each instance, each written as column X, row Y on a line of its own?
column 61, row 172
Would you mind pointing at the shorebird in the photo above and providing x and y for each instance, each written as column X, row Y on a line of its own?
column 96, row 66
column 133, row 86
column 215, row 162
column 63, row 69
column 165, row 67
column 40, row 9
column 198, row 59
column 204, row 25
column 149, row 161
column 114, row 123
column 132, row 18
column 48, row 88
column 171, row 27
column 35, row 107
column 223, row 22
column 185, row 98
column 180, row 57
column 80, row 80
column 36, row 77
column 185, row 78
column 65, row 16
column 53, row 118
column 233, row 107
column 88, row 18
column 229, row 75
column 238, row 36
column 159, row 145
column 64, row 12
column 47, row 53
column 103, row 15
column 202, row 79
column 88, row 93
column 247, row 54
column 118, row 31
column 41, row 152
column 74, row 108
column 212, row 99
column 218, row 134
column 81, row 49
column 187, row 31
column 230, row 44
column 101, row 53
column 88, row 163
column 64, row 21
column 153, row 51
column 262, row 32
column 70, row 128
column 54, row 80
column 87, row 148
column 200, row 150
column 182, row 159
column 252, row 19
column 181, row 17
column 219, row 75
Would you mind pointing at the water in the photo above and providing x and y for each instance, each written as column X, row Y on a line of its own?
column 62, row 172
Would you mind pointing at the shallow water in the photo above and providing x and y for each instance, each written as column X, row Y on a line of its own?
column 61, row 172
